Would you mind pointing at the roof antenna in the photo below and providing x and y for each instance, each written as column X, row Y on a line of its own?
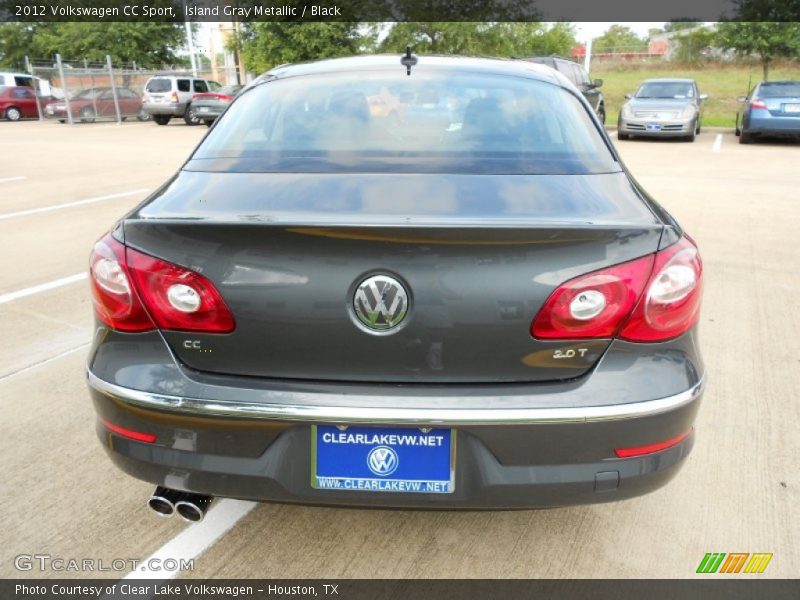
column 409, row 60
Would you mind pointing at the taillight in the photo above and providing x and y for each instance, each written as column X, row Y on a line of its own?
column 224, row 97
column 650, row 299
column 651, row 448
column 758, row 104
column 178, row 298
column 138, row 436
column 115, row 301
column 593, row 305
column 174, row 97
column 136, row 292
column 671, row 304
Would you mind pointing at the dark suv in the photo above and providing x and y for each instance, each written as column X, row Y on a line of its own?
column 580, row 78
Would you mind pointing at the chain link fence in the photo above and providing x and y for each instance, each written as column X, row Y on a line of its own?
column 83, row 92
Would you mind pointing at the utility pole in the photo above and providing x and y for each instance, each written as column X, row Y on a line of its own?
column 587, row 59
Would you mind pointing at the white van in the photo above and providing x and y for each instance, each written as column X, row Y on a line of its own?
column 41, row 86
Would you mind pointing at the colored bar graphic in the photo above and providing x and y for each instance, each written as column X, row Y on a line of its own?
column 734, row 563
column 758, row 563
column 710, row 562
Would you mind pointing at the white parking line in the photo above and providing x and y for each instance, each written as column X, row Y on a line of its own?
column 9, row 179
column 717, row 143
column 195, row 539
column 46, row 361
column 42, row 287
column 34, row 211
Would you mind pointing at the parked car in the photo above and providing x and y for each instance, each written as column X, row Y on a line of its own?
column 171, row 96
column 18, row 102
column 86, row 105
column 580, row 78
column 210, row 105
column 772, row 108
column 318, row 309
column 663, row 108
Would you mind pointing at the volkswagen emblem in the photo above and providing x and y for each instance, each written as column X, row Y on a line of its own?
column 382, row 461
column 380, row 304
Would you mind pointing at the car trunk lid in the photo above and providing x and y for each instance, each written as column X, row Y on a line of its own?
column 477, row 255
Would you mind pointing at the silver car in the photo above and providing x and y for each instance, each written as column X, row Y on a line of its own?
column 171, row 96
column 662, row 108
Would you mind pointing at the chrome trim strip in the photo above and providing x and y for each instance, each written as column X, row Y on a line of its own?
column 396, row 415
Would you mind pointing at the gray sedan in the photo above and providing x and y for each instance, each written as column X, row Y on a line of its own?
column 662, row 108
column 210, row 105
column 321, row 308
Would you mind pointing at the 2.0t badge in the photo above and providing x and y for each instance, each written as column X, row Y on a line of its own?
column 380, row 304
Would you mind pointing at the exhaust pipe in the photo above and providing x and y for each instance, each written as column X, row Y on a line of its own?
column 163, row 500
column 193, row 507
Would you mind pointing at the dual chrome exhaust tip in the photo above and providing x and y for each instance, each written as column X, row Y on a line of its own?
column 165, row 502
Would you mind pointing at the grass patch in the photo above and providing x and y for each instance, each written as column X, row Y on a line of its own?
column 723, row 83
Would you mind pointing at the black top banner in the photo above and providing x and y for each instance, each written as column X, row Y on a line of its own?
column 399, row 10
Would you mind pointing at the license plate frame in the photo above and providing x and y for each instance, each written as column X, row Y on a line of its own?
column 792, row 108
column 344, row 459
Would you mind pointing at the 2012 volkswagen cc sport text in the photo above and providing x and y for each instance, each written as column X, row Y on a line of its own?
column 421, row 285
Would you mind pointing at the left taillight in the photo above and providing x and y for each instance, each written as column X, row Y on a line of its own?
column 137, row 292
column 115, row 301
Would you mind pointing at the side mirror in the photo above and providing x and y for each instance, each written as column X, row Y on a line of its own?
column 598, row 83
column 703, row 96
column 628, row 96
column 741, row 99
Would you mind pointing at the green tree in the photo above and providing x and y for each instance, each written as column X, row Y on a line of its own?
column 619, row 38
column 149, row 44
column 267, row 44
column 693, row 46
column 18, row 40
column 481, row 39
column 765, row 40
column 681, row 24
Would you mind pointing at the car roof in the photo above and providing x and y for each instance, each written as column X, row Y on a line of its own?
column 521, row 68
column 783, row 82
column 669, row 80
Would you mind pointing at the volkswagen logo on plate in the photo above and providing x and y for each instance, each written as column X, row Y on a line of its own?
column 382, row 461
column 380, row 303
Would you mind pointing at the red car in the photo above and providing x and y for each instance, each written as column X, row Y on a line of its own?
column 17, row 102
column 91, row 103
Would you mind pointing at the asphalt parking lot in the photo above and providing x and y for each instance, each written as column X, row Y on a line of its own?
column 61, row 187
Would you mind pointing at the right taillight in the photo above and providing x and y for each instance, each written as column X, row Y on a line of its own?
column 137, row 292
column 649, row 299
column 671, row 302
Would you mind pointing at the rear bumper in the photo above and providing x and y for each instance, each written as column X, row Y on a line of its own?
column 533, row 453
column 766, row 124
column 172, row 109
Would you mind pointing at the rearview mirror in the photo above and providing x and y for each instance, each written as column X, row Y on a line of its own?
column 598, row 83
column 741, row 99
column 628, row 96
column 703, row 96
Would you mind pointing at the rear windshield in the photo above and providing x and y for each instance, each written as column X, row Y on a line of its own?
column 158, row 86
column 433, row 122
column 777, row 90
column 666, row 89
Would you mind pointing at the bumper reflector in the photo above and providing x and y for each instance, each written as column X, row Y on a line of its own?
column 138, row 436
column 650, row 448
